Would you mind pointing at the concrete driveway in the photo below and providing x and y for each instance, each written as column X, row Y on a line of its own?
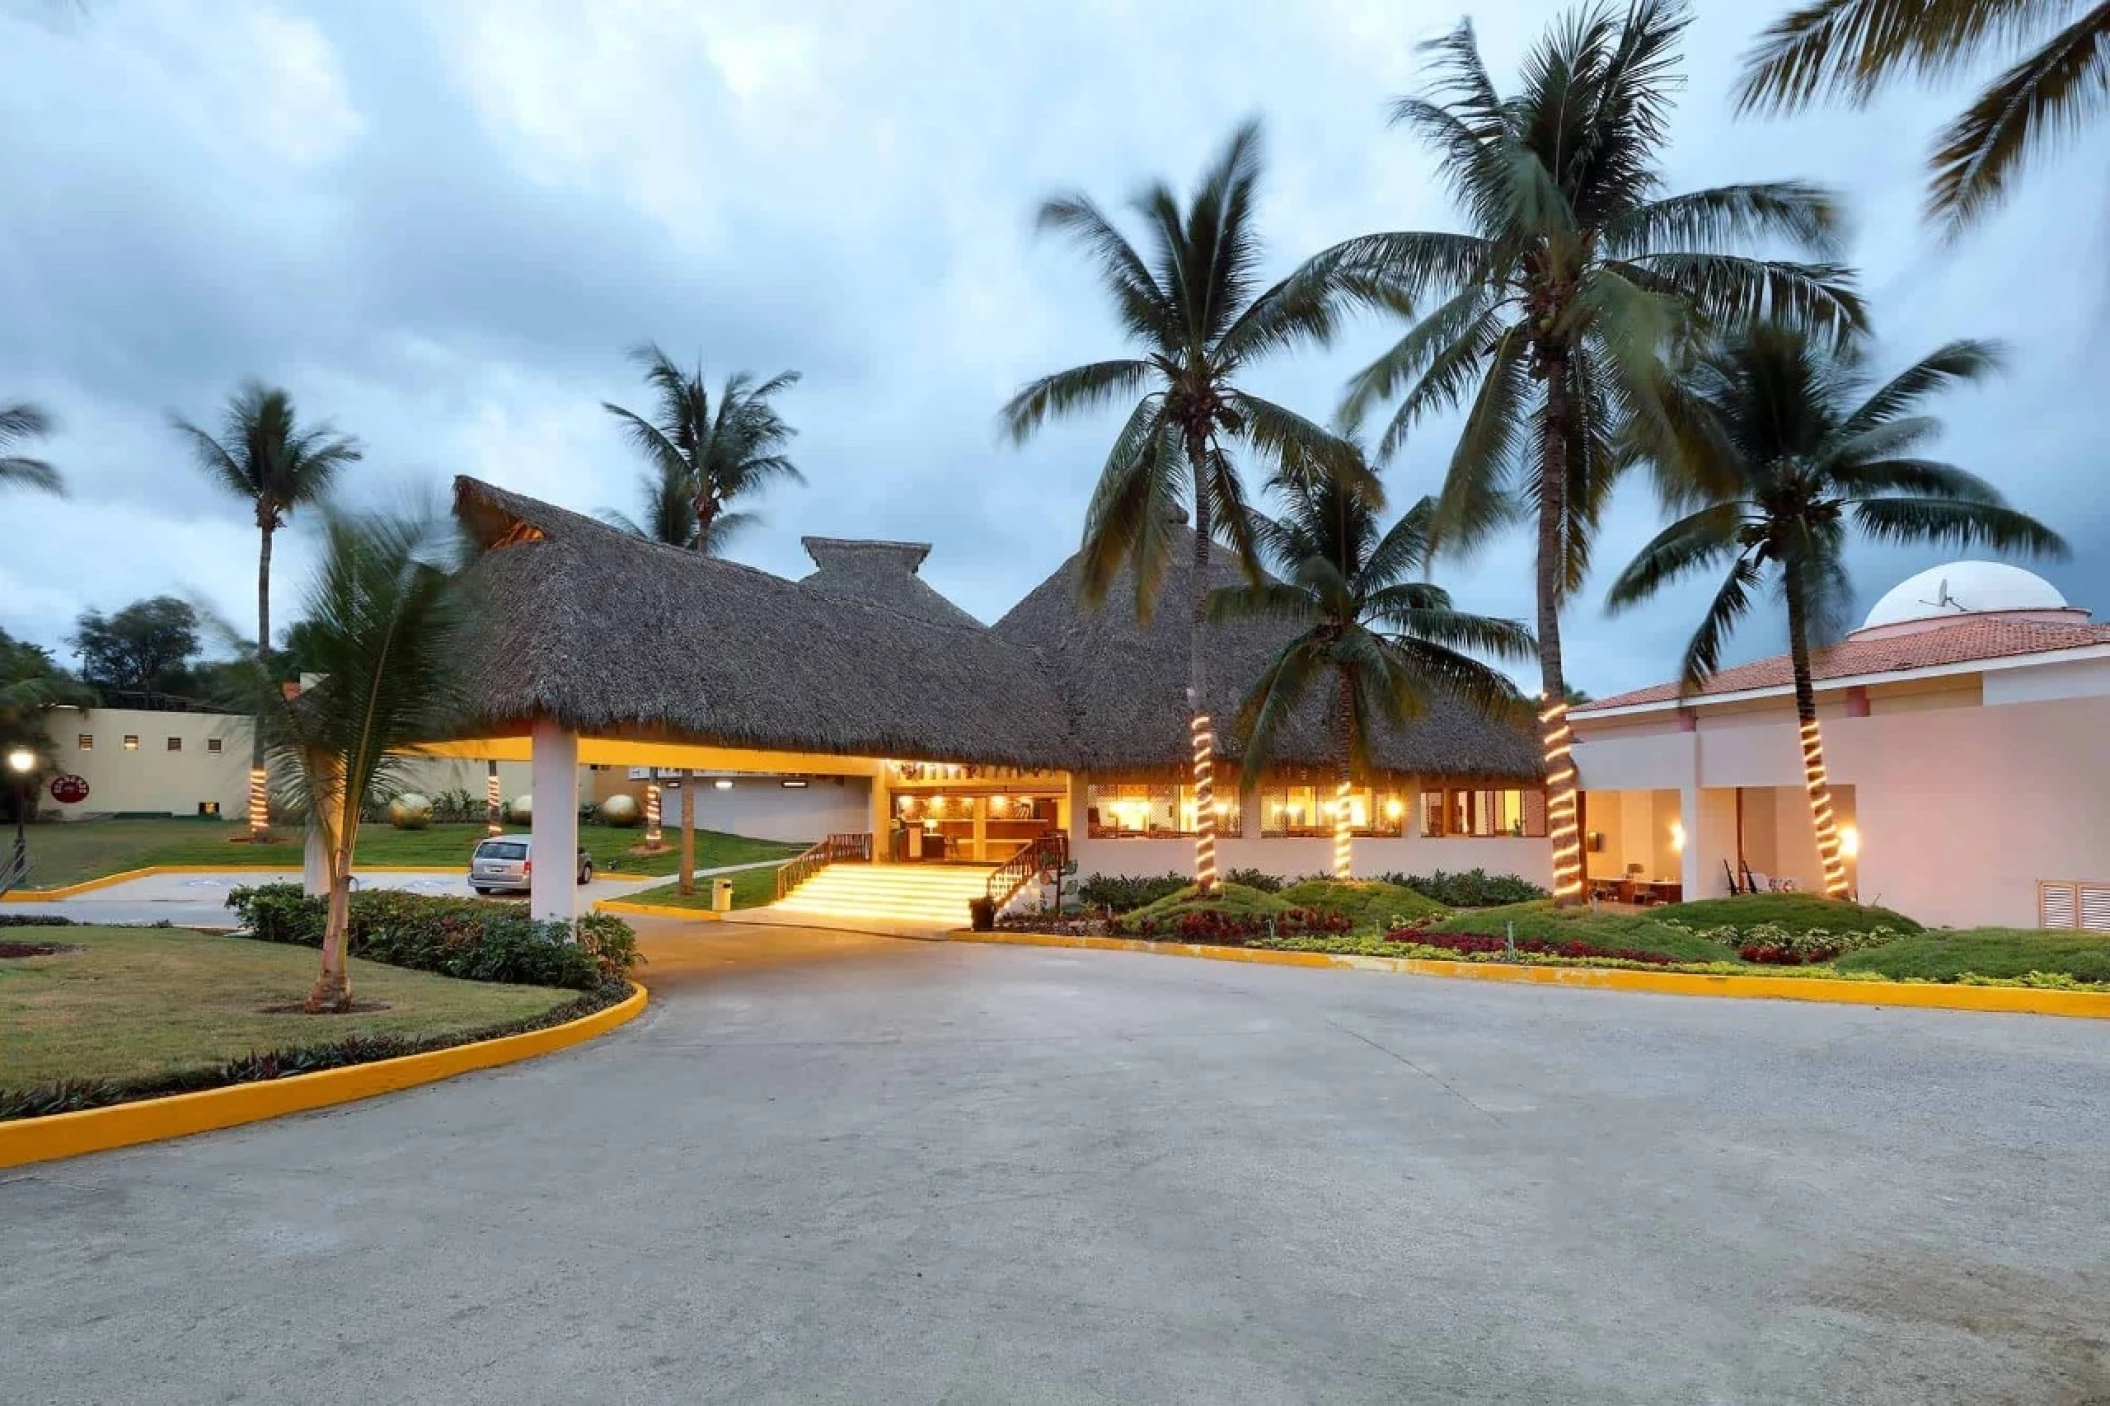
column 827, row 1168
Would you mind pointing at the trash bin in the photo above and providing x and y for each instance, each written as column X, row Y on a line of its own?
column 721, row 895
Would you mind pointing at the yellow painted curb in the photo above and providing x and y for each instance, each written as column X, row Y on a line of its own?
column 127, row 875
column 656, row 910
column 2017, row 1000
column 27, row 1140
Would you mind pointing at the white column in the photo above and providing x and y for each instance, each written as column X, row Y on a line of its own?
column 553, row 845
column 1694, row 855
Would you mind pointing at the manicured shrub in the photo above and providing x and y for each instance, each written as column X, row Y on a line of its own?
column 2009, row 954
column 1797, row 912
column 1369, row 905
column 460, row 937
column 410, row 811
column 1234, row 928
column 1257, row 879
column 1477, row 944
column 1476, row 888
column 31, row 920
column 1120, row 894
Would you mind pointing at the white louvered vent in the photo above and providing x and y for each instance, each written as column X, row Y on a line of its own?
column 2070, row 904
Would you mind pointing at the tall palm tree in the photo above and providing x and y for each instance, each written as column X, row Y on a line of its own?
column 1198, row 317
column 1382, row 640
column 704, row 454
column 1799, row 452
column 1852, row 48
column 382, row 617
column 1555, row 311
column 264, row 457
column 19, row 422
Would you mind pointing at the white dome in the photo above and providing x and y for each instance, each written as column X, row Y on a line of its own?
column 1964, row 588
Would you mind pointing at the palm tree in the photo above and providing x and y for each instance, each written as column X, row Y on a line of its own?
column 265, row 458
column 1799, row 451
column 382, row 619
column 1385, row 642
column 19, row 422
column 1557, row 309
column 1852, row 48
column 703, row 455
column 1199, row 319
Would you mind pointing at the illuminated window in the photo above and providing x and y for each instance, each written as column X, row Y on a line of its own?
column 175, row 744
column 1483, row 814
column 1307, row 811
column 1131, row 812
column 212, row 744
column 131, row 742
column 86, row 742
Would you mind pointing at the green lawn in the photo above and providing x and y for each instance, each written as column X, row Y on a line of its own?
column 752, row 888
column 1797, row 912
column 2001, row 952
column 89, row 849
column 148, row 1001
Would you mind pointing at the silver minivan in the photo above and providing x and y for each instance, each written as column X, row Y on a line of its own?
column 501, row 863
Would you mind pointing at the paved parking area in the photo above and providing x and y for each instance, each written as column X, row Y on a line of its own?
column 829, row 1168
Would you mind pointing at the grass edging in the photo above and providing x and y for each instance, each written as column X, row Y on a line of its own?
column 27, row 1140
column 656, row 910
column 2017, row 1000
column 124, row 876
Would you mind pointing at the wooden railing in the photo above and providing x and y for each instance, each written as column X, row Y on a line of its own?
column 1035, row 856
column 849, row 848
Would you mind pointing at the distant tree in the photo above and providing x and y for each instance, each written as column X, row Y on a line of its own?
column 381, row 616
column 265, row 458
column 1576, row 697
column 703, row 452
column 20, row 423
column 144, row 648
column 1853, row 49
column 297, row 655
column 31, row 681
column 1788, row 448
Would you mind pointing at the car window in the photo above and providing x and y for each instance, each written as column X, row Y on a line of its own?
column 501, row 849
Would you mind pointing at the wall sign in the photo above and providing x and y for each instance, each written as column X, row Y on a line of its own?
column 69, row 790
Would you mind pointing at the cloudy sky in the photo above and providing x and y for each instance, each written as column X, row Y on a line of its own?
column 441, row 222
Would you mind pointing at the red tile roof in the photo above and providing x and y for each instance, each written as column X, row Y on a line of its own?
column 1960, row 643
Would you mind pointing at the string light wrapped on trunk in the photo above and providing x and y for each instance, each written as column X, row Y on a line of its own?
column 652, row 830
column 1343, row 833
column 1561, row 827
column 1818, row 780
column 1204, row 803
column 259, row 802
column 493, row 818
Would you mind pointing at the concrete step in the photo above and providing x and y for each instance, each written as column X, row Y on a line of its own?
column 930, row 896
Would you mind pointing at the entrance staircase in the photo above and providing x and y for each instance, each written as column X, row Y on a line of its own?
column 924, row 896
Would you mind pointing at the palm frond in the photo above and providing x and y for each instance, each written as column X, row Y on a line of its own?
column 1144, row 305
column 1703, row 654
column 1268, row 600
column 1698, row 540
column 1282, row 686
column 1127, row 522
column 1477, row 498
column 2043, row 100
column 1730, row 290
column 1805, row 216
column 1911, row 478
column 1949, row 523
column 1079, row 389
column 1948, row 366
column 1850, row 48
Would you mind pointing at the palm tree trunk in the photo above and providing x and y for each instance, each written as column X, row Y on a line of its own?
column 1561, row 822
column 706, row 514
column 1814, row 778
column 1343, row 743
column 259, row 801
column 333, row 987
column 1200, row 727
column 688, row 834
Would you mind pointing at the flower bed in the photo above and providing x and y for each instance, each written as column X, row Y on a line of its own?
column 1235, row 929
column 1472, row 944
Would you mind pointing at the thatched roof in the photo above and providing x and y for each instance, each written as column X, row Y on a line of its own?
column 612, row 633
column 881, row 573
column 1125, row 684
column 615, row 634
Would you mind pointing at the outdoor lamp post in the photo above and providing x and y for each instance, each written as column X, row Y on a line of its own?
column 21, row 761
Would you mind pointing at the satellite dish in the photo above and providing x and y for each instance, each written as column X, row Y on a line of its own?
column 1944, row 601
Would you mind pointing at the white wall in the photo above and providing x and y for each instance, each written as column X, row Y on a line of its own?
column 1298, row 858
column 152, row 779
column 761, row 808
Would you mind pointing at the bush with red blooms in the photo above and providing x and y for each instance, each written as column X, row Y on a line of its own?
column 1215, row 928
column 1472, row 944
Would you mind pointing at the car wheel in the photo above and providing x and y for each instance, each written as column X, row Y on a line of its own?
column 586, row 872
column 481, row 891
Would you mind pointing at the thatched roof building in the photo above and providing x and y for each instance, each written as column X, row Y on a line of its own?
column 615, row 635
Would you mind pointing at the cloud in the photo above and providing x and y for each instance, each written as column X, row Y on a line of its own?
column 442, row 222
